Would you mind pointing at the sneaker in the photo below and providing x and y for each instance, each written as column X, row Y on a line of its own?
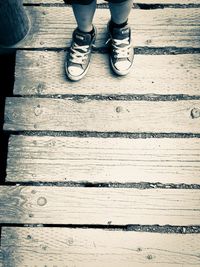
column 78, row 59
column 121, row 50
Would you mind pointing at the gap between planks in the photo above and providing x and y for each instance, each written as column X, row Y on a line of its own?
column 98, row 160
column 100, row 206
column 36, row 247
column 52, row 27
column 151, row 74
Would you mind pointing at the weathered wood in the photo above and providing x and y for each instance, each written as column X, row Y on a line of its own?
column 34, row 158
column 14, row 23
column 43, row 73
column 1, row 257
column 104, row 206
column 100, row 248
column 181, row 2
column 52, row 27
column 102, row 116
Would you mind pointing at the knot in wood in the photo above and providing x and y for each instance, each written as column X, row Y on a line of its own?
column 38, row 111
column 70, row 241
column 40, row 88
column 149, row 41
column 118, row 109
column 14, row 115
column 195, row 113
column 149, row 257
column 44, row 247
column 52, row 143
column 41, row 201
column 35, row 143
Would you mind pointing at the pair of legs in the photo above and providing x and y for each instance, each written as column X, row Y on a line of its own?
column 119, row 42
column 84, row 13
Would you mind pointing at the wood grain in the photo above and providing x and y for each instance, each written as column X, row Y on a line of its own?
column 37, row 247
column 181, row 2
column 102, row 116
column 52, row 27
column 39, row 159
column 1, row 258
column 103, row 206
column 42, row 73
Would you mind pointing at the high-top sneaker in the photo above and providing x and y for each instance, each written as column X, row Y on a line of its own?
column 78, row 59
column 121, row 49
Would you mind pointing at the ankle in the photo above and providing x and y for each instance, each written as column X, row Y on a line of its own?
column 88, row 29
column 113, row 25
column 92, row 31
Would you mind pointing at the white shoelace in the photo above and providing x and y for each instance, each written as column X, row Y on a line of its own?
column 122, row 51
column 79, row 53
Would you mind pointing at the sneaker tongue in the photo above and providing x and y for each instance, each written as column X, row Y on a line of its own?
column 121, row 33
column 82, row 38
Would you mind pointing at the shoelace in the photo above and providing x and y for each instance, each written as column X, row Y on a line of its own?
column 79, row 53
column 122, row 47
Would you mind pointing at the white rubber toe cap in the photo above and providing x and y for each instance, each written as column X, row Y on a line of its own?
column 75, row 71
column 123, row 65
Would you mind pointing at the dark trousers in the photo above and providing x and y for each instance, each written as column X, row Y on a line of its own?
column 87, row 2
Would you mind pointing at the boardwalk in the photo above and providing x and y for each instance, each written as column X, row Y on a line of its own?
column 104, row 172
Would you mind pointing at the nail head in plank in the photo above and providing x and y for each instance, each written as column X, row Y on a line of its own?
column 121, row 160
column 158, row 74
column 103, row 206
column 50, row 247
column 101, row 116
column 52, row 27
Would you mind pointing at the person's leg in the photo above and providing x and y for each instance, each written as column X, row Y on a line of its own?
column 78, row 58
column 120, row 11
column 121, row 50
column 84, row 15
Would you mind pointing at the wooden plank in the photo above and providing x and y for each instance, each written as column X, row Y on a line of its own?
column 102, row 116
column 1, row 257
column 52, row 27
column 158, row 74
column 62, row 247
column 34, row 158
column 103, row 206
column 181, row 2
